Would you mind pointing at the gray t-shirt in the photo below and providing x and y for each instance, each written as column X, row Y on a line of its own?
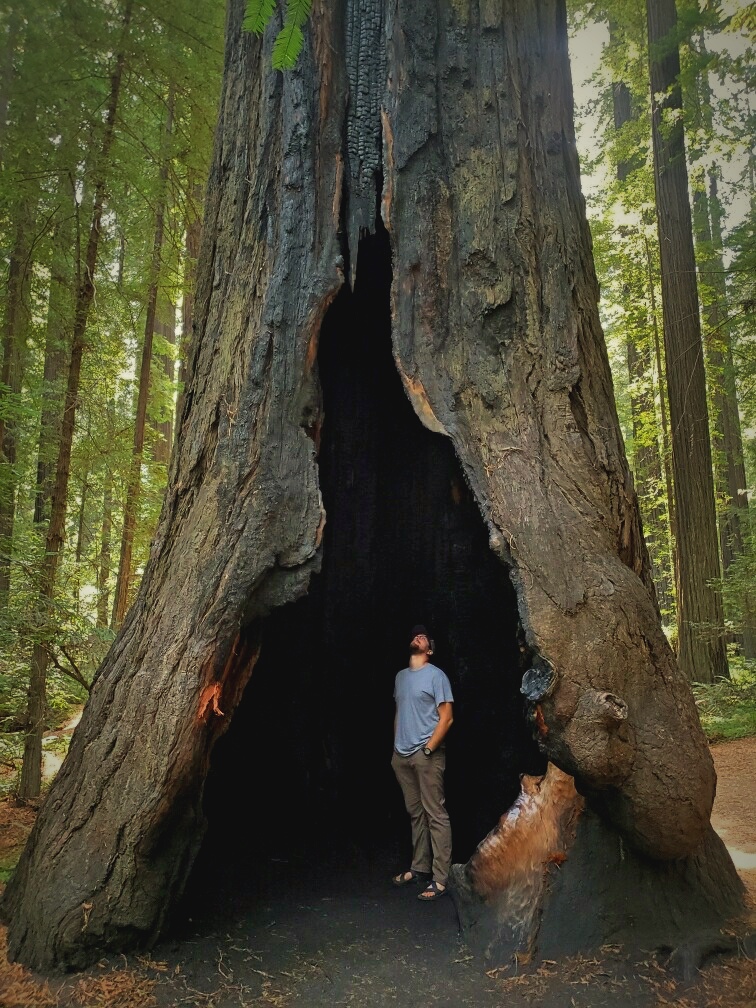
column 418, row 692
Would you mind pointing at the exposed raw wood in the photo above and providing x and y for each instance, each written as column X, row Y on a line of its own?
column 553, row 879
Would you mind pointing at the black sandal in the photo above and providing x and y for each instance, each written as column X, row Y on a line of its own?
column 431, row 892
column 399, row 880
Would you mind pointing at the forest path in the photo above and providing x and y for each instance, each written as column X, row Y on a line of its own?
column 734, row 815
column 343, row 937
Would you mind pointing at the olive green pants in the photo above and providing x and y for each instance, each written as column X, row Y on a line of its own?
column 421, row 779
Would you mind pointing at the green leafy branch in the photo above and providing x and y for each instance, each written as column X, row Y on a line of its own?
column 289, row 41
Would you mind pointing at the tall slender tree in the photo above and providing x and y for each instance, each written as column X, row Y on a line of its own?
column 700, row 614
column 59, row 324
column 133, row 489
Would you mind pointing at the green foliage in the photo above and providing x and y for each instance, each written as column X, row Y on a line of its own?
column 257, row 15
column 49, row 164
column 297, row 11
column 741, row 279
column 290, row 39
column 739, row 585
column 727, row 708
column 745, row 20
column 717, row 75
column 287, row 46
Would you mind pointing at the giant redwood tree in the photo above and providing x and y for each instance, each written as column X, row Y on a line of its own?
column 396, row 221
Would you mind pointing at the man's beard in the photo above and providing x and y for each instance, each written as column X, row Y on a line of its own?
column 416, row 649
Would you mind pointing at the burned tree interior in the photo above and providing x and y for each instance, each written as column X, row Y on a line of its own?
column 305, row 765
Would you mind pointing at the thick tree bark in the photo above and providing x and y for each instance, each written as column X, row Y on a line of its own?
column 700, row 619
column 461, row 125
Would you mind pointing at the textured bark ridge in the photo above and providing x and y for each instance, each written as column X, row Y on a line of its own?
column 497, row 340
column 365, row 57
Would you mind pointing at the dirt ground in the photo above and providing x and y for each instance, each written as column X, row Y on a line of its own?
column 734, row 815
column 290, row 938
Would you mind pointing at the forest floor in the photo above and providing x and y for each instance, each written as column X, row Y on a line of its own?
column 344, row 937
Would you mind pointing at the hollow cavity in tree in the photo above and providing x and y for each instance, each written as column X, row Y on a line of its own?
column 403, row 541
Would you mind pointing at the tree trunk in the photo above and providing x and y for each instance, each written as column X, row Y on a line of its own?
column 496, row 338
column 13, row 24
column 502, row 894
column 646, row 459
column 193, row 234
column 647, row 467
column 729, row 462
column 15, row 331
column 59, row 323
column 134, row 485
column 104, row 566
column 31, row 769
column 700, row 619
column 82, row 535
column 166, row 328
column 661, row 371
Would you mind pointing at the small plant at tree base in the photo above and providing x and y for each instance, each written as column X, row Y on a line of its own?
column 727, row 707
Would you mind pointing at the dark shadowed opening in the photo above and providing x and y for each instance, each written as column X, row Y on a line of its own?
column 304, row 770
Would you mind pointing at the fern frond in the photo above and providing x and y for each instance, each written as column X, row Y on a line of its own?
column 297, row 11
column 287, row 47
column 257, row 15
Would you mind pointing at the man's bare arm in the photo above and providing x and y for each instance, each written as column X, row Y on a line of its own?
column 445, row 719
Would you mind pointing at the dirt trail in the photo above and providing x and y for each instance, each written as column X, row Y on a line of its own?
column 343, row 938
column 734, row 815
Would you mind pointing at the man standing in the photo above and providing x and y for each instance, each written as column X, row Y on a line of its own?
column 423, row 717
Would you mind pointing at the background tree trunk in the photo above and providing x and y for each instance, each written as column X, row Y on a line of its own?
column 700, row 618
column 729, row 462
column 498, row 345
column 193, row 235
column 133, row 487
column 646, row 460
column 15, row 332
column 59, row 324
column 661, row 371
column 103, row 571
column 166, row 328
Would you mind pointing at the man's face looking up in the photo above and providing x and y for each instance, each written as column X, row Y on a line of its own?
column 419, row 644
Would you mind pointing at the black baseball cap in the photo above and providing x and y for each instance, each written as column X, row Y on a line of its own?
column 419, row 629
